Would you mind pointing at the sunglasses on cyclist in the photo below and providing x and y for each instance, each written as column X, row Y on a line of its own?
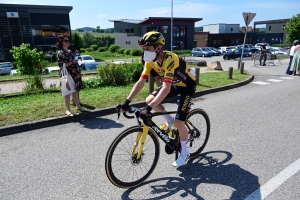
column 66, row 40
column 142, row 42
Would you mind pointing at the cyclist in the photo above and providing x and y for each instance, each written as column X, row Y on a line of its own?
column 174, row 71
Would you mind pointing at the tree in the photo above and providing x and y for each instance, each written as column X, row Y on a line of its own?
column 77, row 40
column 98, row 30
column 28, row 61
column 88, row 39
column 293, row 26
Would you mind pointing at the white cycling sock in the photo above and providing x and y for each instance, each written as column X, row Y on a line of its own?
column 168, row 118
column 184, row 150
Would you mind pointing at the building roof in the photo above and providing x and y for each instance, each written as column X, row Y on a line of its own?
column 151, row 19
column 69, row 8
column 276, row 21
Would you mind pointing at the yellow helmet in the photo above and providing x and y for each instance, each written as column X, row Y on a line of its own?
column 151, row 38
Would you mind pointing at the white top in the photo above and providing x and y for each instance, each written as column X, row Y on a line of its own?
column 292, row 51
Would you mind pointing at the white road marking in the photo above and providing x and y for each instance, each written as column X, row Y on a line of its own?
column 275, row 182
column 288, row 78
column 260, row 83
column 274, row 80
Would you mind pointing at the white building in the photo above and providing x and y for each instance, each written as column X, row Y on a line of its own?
column 222, row 28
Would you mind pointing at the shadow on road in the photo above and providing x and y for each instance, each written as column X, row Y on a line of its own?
column 208, row 168
column 100, row 123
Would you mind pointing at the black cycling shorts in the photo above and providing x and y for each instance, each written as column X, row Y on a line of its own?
column 186, row 95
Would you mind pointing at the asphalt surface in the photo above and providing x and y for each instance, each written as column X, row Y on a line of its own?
column 253, row 151
column 248, row 65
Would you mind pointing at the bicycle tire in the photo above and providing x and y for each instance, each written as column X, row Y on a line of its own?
column 199, row 118
column 120, row 169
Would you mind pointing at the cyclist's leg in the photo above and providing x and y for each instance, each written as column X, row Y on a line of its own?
column 182, row 112
column 160, row 108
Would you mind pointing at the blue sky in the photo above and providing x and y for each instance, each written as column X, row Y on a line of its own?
column 92, row 13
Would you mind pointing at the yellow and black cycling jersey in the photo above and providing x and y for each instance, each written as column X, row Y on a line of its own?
column 173, row 69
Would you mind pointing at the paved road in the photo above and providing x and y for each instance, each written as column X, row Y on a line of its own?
column 254, row 140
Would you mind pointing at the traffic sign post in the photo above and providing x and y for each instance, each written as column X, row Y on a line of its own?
column 248, row 18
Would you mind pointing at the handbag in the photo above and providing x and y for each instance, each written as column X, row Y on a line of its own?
column 64, row 79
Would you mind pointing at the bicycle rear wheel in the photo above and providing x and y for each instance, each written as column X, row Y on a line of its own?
column 198, row 125
column 122, row 167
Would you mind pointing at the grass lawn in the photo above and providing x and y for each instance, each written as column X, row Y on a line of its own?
column 26, row 108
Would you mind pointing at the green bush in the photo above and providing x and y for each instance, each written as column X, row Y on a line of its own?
column 121, row 51
column 127, row 51
column 119, row 74
column 82, row 50
column 102, row 49
column 92, row 83
column 114, row 48
column 94, row 47
column 136, row 52
column 182, row 52
column 107, row 54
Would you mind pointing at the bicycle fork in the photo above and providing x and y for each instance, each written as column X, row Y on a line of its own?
column 140, row 139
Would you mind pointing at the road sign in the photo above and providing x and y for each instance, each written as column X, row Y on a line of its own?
column 248, row 17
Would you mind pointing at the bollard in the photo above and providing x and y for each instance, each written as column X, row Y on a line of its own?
column 197, row 70
column 239, row 63
column 151, row 83
column 230, row 71
column 242, row 68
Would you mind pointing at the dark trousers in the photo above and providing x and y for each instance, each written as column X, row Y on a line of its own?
column 288, row 72
column 263, row 56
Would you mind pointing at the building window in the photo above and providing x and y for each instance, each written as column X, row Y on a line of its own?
column 182, row 31
column 215, row 41
column 219, row 41
column 232, row 41
column 283, row 27
column 269, row 28
column 176, row 32
column 127, row 42
column 50, row 30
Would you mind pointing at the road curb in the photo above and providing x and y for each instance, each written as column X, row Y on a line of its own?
column 38, row 124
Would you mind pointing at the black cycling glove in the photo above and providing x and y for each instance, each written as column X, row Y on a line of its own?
column 125, row 104
column 145, row 112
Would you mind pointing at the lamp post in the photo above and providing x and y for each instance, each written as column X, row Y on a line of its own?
column 248, row 18
column 171, row 25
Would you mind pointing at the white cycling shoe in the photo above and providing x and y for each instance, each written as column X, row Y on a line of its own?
column 181, row 160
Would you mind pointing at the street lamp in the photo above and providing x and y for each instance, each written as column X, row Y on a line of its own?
column 248, row 18
column 171, row 25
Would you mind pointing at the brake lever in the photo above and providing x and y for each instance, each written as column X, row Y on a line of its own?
column 118, row 110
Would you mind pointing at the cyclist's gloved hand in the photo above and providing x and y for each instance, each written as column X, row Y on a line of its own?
column 125, row 104
column 145, row 112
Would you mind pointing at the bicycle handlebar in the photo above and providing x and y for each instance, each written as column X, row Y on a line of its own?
column 131, row 109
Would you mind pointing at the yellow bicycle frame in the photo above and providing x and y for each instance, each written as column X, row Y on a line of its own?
column 138, row 137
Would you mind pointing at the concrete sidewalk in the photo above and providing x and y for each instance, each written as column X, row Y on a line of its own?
column 27, row 126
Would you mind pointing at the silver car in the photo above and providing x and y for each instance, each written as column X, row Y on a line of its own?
column 5, row 67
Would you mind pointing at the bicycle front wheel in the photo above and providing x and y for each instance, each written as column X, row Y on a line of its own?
column 122, row 167
column 198, row 125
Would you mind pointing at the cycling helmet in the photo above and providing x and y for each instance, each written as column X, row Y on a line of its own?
column 151, row 38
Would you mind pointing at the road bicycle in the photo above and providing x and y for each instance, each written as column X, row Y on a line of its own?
column 134, row 153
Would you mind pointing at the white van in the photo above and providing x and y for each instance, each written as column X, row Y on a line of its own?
column 5, row 67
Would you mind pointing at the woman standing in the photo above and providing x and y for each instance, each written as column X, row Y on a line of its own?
column 295, row 66
column 296, row 42
column 64, row 55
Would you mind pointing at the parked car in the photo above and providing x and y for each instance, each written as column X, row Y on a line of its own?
column 227, row 49
column 216, row 52
column 201, row 51
column 48, row 70
column 87, row 62
column 5, row 67
column 247, row 46
column 258, row 45
column 280, row 51
column 237, row 53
